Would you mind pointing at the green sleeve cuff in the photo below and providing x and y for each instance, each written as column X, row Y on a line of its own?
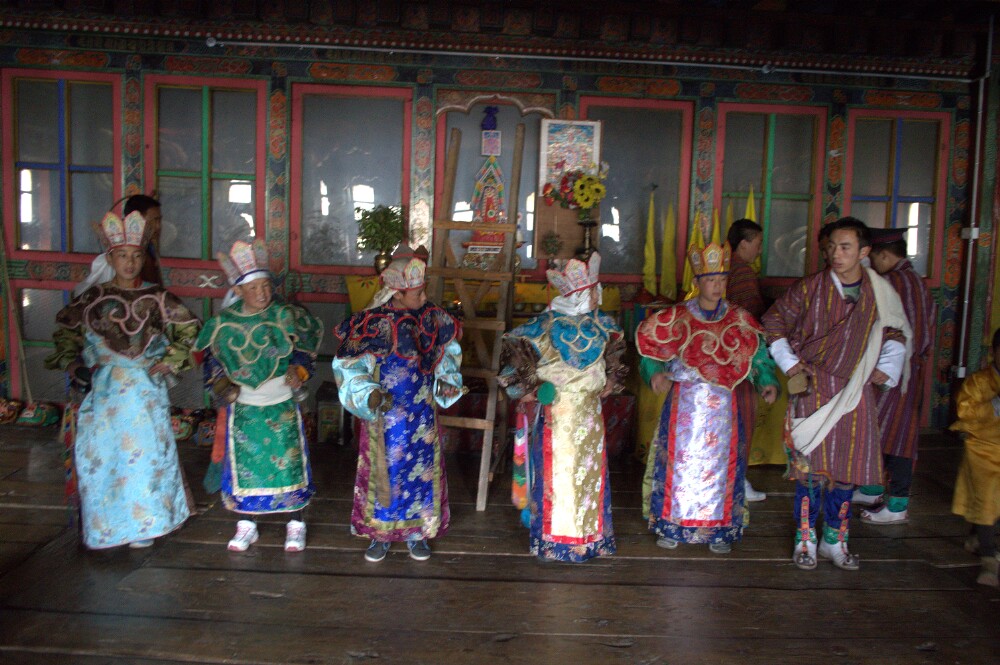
column 648, row 367
column 763, row 370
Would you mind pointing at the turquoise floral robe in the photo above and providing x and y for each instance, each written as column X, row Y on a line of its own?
column 127, row 469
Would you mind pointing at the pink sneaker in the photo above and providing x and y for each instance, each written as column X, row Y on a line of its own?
column 295, row 536
column 246, row 535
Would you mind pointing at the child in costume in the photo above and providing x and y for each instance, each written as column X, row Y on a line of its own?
column 567, row 359
column 124, row 337
column 257, row 352
column 977, row 489
column 700, row 351
column 397, row 358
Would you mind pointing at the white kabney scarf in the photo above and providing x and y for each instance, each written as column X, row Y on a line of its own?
column 809, row 432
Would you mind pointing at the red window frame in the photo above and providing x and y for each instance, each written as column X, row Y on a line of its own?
column 152, row 83
column 299, row 90
column 821, row 114
column 936, row 241
column 687, row 109
column 9, row 178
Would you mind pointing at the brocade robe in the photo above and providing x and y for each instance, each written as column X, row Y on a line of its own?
column 700, row 450
column 128, row 473
column 899, row 412
column 570, row 497
column 265, row 467
column 830, row 333
column 400, row 491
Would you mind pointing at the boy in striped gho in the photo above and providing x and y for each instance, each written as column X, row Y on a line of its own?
column 844, row 329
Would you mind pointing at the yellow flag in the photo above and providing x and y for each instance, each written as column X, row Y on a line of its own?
column 751, row 211
column 729, row 215
column 668, row 256
column 698, row 240
column 649, row 252
column 715, row 228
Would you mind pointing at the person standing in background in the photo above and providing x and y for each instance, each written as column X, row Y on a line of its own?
column 899, row 407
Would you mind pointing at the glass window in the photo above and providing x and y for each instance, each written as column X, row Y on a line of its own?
column 471, row 160
column 64, row 162
column 38, row 309
column 352, row 157
column 773, row 153
column 206, row 168
column 894, row 179
column 642, row 147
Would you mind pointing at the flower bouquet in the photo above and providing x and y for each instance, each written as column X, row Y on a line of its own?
column 578, row 190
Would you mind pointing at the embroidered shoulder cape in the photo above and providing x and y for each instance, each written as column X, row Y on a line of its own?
column 579, row 340
column 419, row 335
column 720, row 352
column 253, row 348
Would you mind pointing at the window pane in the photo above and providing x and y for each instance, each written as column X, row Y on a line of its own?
column 38, row 312
column 39, row 216
column 470, row 160
column 918, row 161
column 232, row 213
column 180, row 235
column 341, row 150
column 917, row 218
column 872, row 150
column 46, row 385
column 787, row 238
column 746, row 136
column 234, row 125
column 37, row 121
column 90, row 198
column 91, row 129
column 331, row 314
column 794, row 144
column 642, row 147
column 179, row 133
column 872, row 213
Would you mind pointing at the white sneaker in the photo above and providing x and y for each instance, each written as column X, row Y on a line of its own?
column 859, row 498
column 246, row 535
column 883, row 515
column 839, row 555
column 804, row 555
column 750, row 493
column 295, row 536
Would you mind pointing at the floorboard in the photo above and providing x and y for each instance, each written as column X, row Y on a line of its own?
column 481, row 598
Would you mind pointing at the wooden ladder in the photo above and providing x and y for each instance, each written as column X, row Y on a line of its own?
column 471, row 286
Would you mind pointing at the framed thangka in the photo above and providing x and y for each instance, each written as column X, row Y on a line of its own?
column 568, row 145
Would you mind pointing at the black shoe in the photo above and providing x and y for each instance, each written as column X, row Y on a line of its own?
column 377, row 551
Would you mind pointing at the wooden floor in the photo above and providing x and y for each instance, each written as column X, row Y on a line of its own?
column 481, row 598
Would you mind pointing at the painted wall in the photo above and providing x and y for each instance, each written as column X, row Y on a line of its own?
column 439, row 81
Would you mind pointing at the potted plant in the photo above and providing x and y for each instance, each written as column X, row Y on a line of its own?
column 380, row 229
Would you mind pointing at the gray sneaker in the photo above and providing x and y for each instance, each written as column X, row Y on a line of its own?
column 419, row 550
column 377, row 551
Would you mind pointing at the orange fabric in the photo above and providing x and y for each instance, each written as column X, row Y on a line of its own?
column 219, row 442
